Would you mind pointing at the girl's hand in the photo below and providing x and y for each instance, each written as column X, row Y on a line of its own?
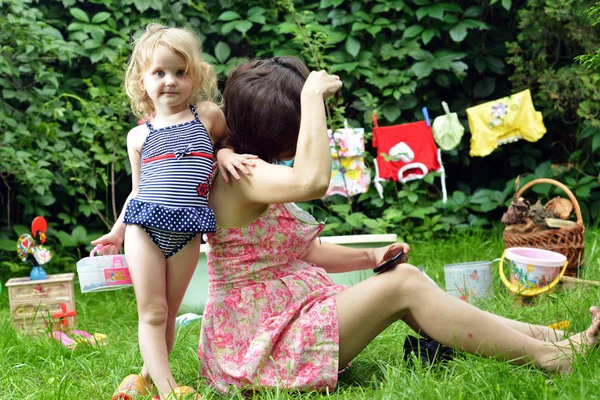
column 112, row 242
column 230, row 161
column 321, row 83
column 382, row 254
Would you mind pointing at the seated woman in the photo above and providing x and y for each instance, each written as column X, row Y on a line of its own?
column 273, row 316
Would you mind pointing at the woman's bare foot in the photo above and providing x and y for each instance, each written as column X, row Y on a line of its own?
column 561, row 353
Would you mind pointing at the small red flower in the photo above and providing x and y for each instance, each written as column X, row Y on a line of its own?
column 204, row 188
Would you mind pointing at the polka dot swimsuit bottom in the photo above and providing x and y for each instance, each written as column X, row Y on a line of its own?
column 171, row 205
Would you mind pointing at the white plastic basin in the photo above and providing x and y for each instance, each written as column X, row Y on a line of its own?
column 195, row 297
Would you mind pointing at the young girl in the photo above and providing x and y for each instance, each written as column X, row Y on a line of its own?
column 171, row 161
column 273, row 317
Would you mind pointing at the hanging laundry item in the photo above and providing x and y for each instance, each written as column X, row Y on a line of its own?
column 504, row 121
column 349, row 176
column 404, row 153
column 447, row 129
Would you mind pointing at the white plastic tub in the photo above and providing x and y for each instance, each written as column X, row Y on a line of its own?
column 99, row 273
column 195, row 297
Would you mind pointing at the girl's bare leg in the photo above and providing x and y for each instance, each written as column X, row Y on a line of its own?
column 147, row 266
column 180, row 269
column 367, row 308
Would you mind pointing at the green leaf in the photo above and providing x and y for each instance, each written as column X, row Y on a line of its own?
column 421, row 69
column 391, row 112
column 506, row 4
column 587, row 132
column 407, row 102
column 229, row 16
column 65, row 239
column 427, row 35
column 336, row 2
column 222, row 52
column 459, row 32
column 422, row 12
column 595, row 143
column 79, row 14
column 412, row 31
column 484, row 88
column 495, row 65
column 473, row 11
column 243, row 26
column 334, row 37
column 352, row 46
column 256, row 11
column 228, row 27
column 96, row 56
column 97, row 34
column 79, row 234
column 259, row 19
column 459, row 197
column 100, row 17
column 436, row 11
column 359, row 26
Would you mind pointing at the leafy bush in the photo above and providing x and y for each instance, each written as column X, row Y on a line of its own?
column 65, row 116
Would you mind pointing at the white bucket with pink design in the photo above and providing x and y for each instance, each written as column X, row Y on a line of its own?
column 531, row 270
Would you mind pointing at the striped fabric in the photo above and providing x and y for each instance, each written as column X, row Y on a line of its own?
column 175, row 181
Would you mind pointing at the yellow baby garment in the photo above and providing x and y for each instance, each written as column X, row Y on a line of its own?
column 504, row 121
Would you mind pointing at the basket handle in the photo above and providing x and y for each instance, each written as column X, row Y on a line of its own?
column 560, row 186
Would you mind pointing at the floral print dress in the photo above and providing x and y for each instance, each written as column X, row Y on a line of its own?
column 270, row 319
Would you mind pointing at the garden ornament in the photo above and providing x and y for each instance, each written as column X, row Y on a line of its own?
column 31, row 249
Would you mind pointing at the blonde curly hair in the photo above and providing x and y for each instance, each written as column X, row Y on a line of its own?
column 185, row 44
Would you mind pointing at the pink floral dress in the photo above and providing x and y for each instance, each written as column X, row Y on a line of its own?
column 270, row 319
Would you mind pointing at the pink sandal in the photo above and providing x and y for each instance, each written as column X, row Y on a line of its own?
column 63, row 339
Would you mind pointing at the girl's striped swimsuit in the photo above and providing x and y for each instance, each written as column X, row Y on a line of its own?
column 172, row 202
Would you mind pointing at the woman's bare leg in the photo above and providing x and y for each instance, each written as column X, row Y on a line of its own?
column 369, row 307
column 539, row 332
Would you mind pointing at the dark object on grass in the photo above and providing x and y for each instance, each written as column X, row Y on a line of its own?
column 428, row 351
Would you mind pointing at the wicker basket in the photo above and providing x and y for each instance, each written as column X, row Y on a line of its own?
column 567, row 241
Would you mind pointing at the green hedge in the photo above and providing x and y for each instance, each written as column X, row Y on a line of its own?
column 65, row 117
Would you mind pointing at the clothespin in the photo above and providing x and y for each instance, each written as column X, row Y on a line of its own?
column 426, row 116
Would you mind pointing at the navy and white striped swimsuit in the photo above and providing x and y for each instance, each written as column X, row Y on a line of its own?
column 172, row 205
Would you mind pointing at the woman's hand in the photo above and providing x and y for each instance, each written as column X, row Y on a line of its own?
column 322, row 84
column 382, row 254
column 231, row 162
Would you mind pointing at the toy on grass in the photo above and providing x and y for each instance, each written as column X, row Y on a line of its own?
column 70, row 338
column 31, row 249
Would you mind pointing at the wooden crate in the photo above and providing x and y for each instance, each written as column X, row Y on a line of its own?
column 33, row 303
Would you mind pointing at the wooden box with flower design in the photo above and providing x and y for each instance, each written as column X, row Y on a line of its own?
column 35, row 304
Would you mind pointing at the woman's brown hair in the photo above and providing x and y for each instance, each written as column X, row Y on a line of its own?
column 262, row 106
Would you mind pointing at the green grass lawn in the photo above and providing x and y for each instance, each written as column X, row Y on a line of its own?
column 36, row 367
